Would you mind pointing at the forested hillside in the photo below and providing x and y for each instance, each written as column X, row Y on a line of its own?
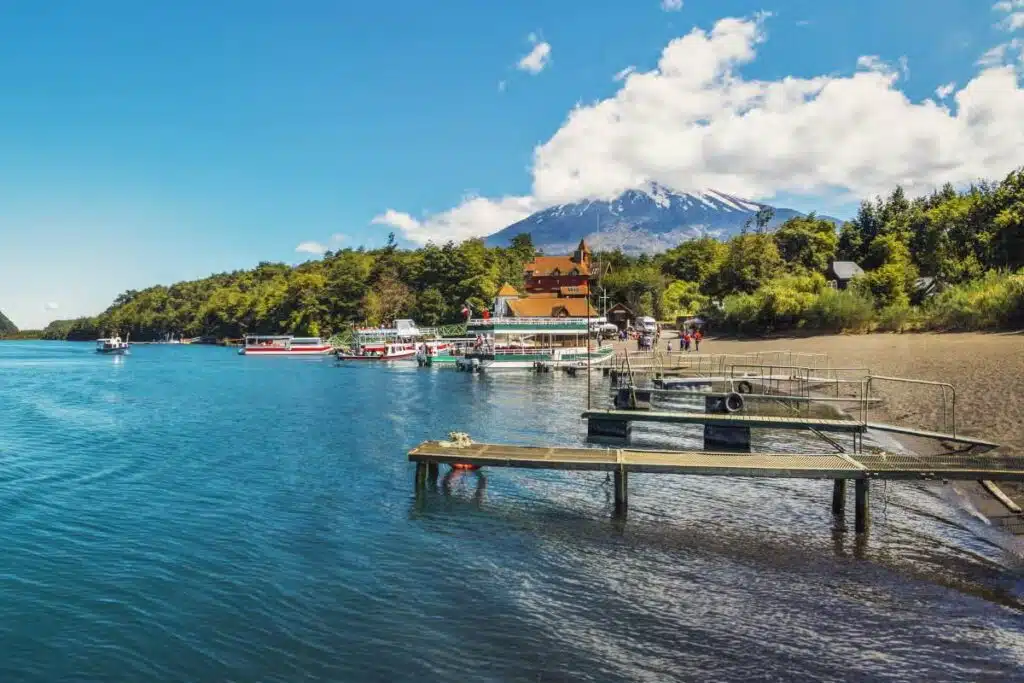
column 971, row 243
column 6, row 326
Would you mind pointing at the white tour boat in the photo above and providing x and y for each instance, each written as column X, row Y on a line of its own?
column 111, row 345
column 530, row 343
column 284, row 345
column 381, row 351
column 385, row 343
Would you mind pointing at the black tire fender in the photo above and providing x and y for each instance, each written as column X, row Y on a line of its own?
column 733, row 402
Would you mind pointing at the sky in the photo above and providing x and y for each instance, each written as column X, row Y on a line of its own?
column 147, row 143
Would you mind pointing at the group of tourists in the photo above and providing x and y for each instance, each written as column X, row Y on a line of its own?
column 687, row 339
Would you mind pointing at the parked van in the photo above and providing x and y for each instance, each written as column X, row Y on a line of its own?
column 647, row 324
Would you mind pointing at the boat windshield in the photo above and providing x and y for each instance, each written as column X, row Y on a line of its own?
column 306, row 341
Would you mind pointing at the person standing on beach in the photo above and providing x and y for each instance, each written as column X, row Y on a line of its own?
column 697, row 336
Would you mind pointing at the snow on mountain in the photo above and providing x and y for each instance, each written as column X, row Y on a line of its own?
column 646, row 220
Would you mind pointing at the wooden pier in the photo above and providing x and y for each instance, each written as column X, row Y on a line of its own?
column 727, row 422
column 840, row 467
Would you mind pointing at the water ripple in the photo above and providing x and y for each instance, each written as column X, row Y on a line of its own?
column 186, row 514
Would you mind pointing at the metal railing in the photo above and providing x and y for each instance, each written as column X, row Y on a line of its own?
column 948, row 409
column 529, row 322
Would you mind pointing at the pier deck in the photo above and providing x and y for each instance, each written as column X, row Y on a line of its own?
column 839, row 467
column 787, row 465
column 726, row 420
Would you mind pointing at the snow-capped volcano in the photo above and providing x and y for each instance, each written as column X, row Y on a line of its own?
column 646, row 220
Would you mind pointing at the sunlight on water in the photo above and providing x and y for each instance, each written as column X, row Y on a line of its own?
column 188, row 514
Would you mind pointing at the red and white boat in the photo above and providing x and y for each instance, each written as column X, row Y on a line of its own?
column 284, row 345
column 382, row 351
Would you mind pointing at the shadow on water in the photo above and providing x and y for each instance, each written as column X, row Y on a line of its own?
column 916, row 556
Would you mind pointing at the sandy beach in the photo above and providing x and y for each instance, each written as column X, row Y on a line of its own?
column 987, row 370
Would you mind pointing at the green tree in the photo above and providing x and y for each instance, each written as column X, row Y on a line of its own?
column 807, row 242
column 696, row 261
column 682, row 298
column 430, row 308
column 752, row 260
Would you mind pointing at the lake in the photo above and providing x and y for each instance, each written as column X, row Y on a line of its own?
column 189, row 514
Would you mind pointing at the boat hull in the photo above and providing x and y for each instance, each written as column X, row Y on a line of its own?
column 529, row 361
column 313, row 351
column 112, row 352
column 404, row 355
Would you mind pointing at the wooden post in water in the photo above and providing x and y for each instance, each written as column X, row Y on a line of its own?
column 421, row 475
column 432, row 471
column 839, row 497
column 862, row 505
column 621, row 490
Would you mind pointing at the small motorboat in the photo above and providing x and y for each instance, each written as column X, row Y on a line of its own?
column 111, row 345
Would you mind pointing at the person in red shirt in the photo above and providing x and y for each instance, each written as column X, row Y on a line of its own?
column 697, row 336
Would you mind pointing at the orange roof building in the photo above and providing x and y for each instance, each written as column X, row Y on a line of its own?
column 551, row 307
column 560, row 273
column 556, row 287
column 507, row 290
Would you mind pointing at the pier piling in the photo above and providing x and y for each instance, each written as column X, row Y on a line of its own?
column 839, row 497
column 613, row 430
column 862, row 505
column 621, row 490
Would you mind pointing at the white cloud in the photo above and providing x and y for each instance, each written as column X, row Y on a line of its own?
column 944, row 91
column 622, row 75
column 51, row 306
column 311, row 248
column 1001, row 54
column 1014, row 21
column 695, row 122
column 538, row 58
column 501, row 86
column 475, row 216
column 804, row 22
column 671, row 5
column 873, row 63
column 337, row 239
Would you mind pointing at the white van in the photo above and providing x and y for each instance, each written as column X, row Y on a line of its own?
column 647, row 324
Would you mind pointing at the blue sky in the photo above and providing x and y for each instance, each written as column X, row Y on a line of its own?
column 147, row 143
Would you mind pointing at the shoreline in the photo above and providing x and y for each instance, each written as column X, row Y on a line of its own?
column 986, row 369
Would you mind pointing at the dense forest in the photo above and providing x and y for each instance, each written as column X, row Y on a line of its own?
column 951, row 260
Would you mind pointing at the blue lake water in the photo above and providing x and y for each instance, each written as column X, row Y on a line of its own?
column 188, row 514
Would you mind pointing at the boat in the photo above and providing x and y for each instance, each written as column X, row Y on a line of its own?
column 112, row 345
column 284, row 345
column 400, row 342
column 443, row 352
column 512, row 343
column 381, row 351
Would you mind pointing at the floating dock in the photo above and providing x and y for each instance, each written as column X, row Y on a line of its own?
column 726, row 420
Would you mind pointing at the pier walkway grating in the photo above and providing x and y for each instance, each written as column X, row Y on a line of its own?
column 787, row 465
